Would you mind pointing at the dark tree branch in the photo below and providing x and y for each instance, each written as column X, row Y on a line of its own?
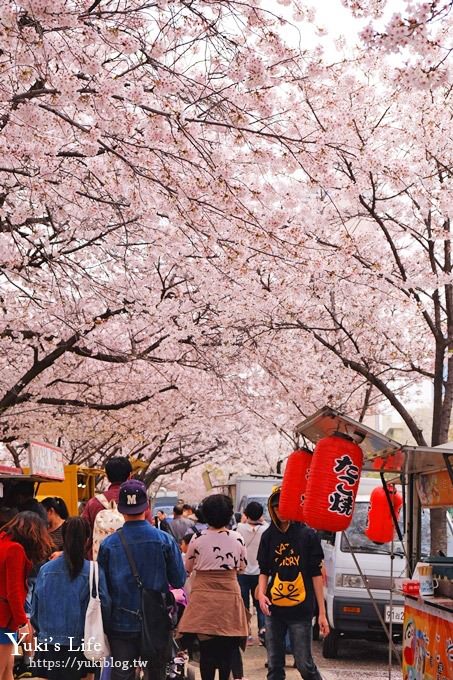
column 54, row 401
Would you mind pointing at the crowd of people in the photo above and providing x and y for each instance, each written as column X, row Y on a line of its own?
column 218, row 567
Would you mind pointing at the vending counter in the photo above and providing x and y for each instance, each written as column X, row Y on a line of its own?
column 428, row 638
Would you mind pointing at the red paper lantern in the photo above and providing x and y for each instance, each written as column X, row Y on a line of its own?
column 380, row 527
column 333, row 483
column 294, row 484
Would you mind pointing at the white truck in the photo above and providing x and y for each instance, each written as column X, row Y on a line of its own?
column 165, row 501
column 246, row 488
column 350, row 610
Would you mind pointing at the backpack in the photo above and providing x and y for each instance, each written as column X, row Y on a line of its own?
column 106, row 522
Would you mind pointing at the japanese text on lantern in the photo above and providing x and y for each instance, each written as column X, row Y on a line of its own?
column 342, row 499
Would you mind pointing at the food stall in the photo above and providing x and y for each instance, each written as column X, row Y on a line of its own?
column 45, row 464
column 427, row 477
column 78, row 486
column 428, row 615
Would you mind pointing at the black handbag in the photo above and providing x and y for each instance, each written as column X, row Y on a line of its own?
column 154, row 614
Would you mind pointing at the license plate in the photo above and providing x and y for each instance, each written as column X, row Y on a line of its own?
column 397, row 614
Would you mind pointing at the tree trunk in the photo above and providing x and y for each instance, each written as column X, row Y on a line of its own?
column 438, row 519
column 438, row 523
column 443, row 401
column 438, row 391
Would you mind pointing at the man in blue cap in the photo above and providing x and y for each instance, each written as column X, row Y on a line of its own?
column 159, row 565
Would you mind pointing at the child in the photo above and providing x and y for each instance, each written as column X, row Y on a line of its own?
column 184, row 543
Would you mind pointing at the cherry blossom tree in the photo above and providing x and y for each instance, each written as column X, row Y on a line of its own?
column 127, row 136
column 207, row 231
column 373, row 237
column 421, row 34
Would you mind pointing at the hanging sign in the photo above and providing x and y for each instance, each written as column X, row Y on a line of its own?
column 46, row 461
column 435, row 489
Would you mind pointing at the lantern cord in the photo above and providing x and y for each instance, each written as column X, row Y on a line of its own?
column 339, row 424
column 392, row 509
column 373, row 601
column 307, row 445
column 392, row 558
column 403, row 487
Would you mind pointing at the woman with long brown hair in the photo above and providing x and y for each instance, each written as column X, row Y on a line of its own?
column 24, row 541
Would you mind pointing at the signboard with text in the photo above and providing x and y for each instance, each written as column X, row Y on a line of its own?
column 435, row 489
column 46, row 460
column 427, row 642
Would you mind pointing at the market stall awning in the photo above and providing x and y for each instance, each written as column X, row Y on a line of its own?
column 8, row 472
column 380, row 452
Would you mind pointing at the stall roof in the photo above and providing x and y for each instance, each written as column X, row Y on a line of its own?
column 8, row 472
column 380, row 452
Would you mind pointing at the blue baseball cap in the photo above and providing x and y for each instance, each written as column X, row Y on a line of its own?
column 133, row 499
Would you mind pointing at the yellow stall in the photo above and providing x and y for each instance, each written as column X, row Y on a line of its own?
column 78, row 486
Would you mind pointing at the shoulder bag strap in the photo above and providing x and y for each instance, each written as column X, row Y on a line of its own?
column 103, row 500
column 90, row 579
column 94, row 580
column 130, row 559
column 255, row 534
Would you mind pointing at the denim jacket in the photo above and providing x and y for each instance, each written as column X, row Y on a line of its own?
column 159, row 564
column 59, row 603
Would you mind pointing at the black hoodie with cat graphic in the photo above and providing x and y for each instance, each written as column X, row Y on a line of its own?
column 290, row 558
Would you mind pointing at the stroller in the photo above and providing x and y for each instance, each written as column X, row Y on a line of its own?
column 178, row 668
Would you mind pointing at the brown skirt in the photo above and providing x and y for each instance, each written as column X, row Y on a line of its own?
column 215, row 606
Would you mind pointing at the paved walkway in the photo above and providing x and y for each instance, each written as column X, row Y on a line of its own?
column 358, row 660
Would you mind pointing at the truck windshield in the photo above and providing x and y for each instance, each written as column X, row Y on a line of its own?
column 168, row 509
column 359, row 542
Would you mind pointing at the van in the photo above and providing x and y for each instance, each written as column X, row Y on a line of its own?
column 165, row 504
column 350, row 610
column 258, row 488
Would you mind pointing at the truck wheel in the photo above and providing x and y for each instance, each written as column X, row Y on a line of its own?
column 330, row 645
